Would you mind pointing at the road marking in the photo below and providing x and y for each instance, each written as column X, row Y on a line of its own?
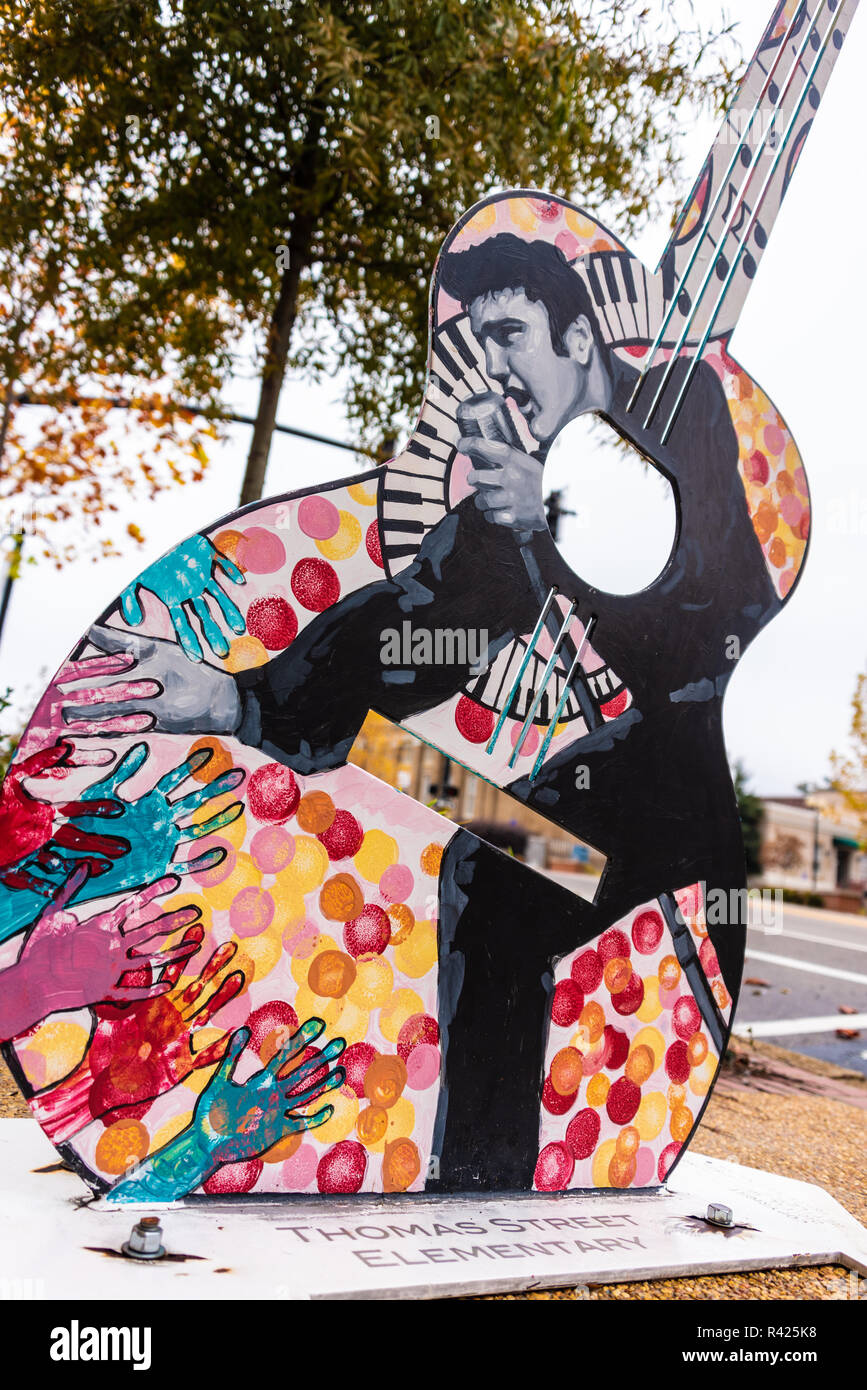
column 784, row 1027
column 790, row 963
column 817, row 940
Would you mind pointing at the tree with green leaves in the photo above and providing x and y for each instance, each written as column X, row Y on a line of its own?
column 752, row 815
column 278, row 176
column 850, row 767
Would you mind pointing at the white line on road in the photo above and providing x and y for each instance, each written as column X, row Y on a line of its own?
column 790, row 963
column 783, row 1027
column 817, row 940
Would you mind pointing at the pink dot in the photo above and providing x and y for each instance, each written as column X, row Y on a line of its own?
column 645, row 1167
column 554, row 1168
column 568, row 244
column 397, row 883
column 260, row 551
column 422, row 1066
column 791, row 510
column 318, row 518
column 299, row 1171
column 669, row 997
column 272, row 849
column 208, row 878
column 531, row 739
column 775, row 440
column 251, row 912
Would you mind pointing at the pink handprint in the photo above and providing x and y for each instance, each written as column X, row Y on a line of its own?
column 47, row 723
column 140, row 1051
column 68, row 964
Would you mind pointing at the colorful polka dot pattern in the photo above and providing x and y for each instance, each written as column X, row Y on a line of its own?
column 629, row 1061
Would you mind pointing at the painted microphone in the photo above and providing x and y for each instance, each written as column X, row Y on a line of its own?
column 486, row 416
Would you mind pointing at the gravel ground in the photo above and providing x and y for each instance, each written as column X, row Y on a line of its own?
column 771, row 1109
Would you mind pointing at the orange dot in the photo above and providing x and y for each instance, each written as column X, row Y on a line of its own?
column 597, row 1089
column 628, row 1141
column 403, row 921
column 331, row 973
column 384, row 1080
column 227, row 542
column 721, row 994
column 681, row 1123
column 777, row 553
column 617, row 974
column 122, row 1145
column 220, row 761
column 340, row 898
column 372, row 1124
column 676, row 1096
column 274, row 1042
column 315, row 812
column 430, row 860
column 696, row 1049
column 785, row 484
column 640, row 1064
column 567, row 1069
column 283, row 1149
column 592, row 1018
column 400, row 1166
column 765, row 521
column 669, row 972
column 621, row 1170
column 245, row 653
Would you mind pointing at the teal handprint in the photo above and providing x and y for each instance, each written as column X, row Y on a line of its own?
column 233, row 1122
column 148, row 833
column 183, row 580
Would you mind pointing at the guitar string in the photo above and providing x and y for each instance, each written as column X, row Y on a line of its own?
column 507, row 703
column 561, row 704
column 705, row 231
column 764, row 145
column 697, row 356
column 552, row 662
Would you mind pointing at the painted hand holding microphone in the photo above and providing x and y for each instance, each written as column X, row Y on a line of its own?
column 508, row 483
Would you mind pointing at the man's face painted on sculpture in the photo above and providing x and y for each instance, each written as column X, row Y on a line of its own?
column 549, row 388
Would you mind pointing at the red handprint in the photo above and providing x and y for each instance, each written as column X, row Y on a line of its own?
column 141, row 1050
column 27, row 823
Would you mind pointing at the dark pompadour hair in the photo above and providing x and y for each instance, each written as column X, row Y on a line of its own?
column 507, row 262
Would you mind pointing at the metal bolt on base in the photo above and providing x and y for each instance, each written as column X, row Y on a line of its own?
column 145, row 1240
column 718, row 1214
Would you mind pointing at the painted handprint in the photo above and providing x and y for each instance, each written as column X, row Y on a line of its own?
column 140, row 1051
column 27, row 822
column 66, row 963
column 149, row 834
column 183, row 580
column 48, row 722
column 233, row 1121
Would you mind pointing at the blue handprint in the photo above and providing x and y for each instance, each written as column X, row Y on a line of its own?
column 149, row 828
column 233, row 1122
column 184, row 577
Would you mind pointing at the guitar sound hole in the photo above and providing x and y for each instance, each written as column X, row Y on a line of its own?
column 625, row 521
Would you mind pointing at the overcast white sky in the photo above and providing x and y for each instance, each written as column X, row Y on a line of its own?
column 801, row 336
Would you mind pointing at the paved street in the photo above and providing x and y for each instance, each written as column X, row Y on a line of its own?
column 811, row 963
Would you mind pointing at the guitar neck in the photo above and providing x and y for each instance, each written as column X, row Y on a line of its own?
column 711, row 259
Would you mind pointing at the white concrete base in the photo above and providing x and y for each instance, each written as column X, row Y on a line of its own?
column 55, row 1246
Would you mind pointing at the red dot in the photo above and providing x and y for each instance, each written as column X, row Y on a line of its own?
column 272, row 793
column 315, row 584
column 355, row 1061
column 420, row 1028
column 647, row 932
column 677, row 1063
column 757, row 467
column 554, row 1102
column 616, row 1048
column 343, row 837
column 341, row 1169
column 475, row 723
column 370, row 931
column 272, row 620
column 266, row 1018
column 613, row 943
column 587, row 971
column 615, row 706
column 666, row 1159
column 686, row 1016
column 567, row 1004
column 631, row 998
column 623, row 1101
column 373, row 544
column 554, row 1168
column 582, row 1134
column 708, row 957
column 234, row 1177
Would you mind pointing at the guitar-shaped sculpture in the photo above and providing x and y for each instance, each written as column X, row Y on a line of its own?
column 195, row 885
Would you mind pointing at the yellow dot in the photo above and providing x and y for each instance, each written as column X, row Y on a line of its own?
column 236, row 831
column 701, row 1077
column 309, row 1005
column 197, row 1080
column 651, row 1115
column 597, row 1089
column 401, row 1120
column 350, row 1022
column 170, row 1130
column 345, row 540
column 373, row 983
column 289, row 908
column 652, row 1038
column 245, row 653
column 523, row 214
column 650, row 1005
column 582, row 226
column 257, row 955
column 483, row 219
column 418, row 954
column 244, row 875
column 62, row 1044
column 342, row 1122
column 378, row 852
column 180, row 900
column 363, row 494
column 308, row 866
column 601, row 1161
column 401, row 1006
